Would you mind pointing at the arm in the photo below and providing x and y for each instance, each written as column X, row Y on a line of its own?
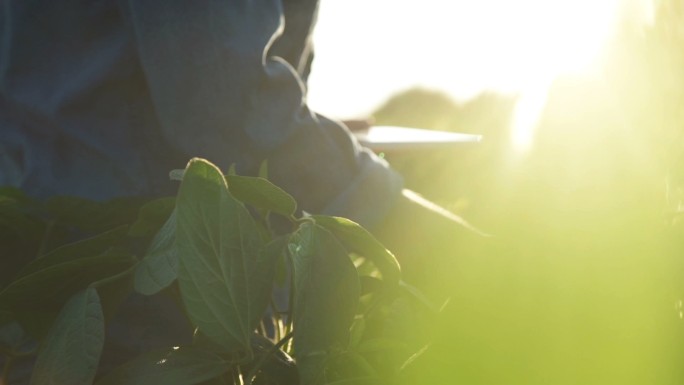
column 219, row 93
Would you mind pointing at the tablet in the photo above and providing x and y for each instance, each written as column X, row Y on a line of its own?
column 393, row 138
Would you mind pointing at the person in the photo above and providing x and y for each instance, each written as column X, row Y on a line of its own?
column 101, row 99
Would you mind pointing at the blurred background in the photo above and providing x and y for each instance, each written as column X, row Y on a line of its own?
column 580, row 177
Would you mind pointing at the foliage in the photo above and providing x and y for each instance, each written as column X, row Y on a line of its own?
column 213, row 249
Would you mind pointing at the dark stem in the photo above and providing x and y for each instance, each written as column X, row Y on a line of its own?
column 262, row 359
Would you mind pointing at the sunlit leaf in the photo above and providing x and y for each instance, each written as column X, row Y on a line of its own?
column 357, row 239
column 232, row 169
column 262, row 194
column 159, row 268
column 382, row 344
column 263, row 169
column 357, row 381
column 413, row 293
column 357, row 329
column 71, row 351
column 370, row 284
column 220, row 262
column 327, row 291
column 175, row 366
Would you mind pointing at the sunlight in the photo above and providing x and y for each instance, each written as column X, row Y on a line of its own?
column 526, row 117
column 462, row 47
column 565, row 37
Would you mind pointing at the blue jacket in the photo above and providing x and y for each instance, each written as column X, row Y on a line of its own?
column 100, row 99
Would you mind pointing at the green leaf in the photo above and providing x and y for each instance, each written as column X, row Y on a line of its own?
column 6, row 317
column 48, row 287
column 176, row 366
column 92, row 216
column 382, row 345
column 263, row 169
column 357, row 239
column 159, row 267
column 41, row 288
column 358, row 381
column 231, row 169
column 11, row 335
column 262, row 194
column 85, row 248
column 71, row 352
column 14, row 194
column 21, row 232
column 262, row 276
column 327, row 291
column 152, row 216
column 413, row 293
column 221, row 267
column 356, row 331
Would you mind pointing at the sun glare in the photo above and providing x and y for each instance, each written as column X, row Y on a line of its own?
column 562, row 37
column 367, row 51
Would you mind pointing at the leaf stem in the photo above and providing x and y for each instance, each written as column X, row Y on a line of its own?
column 114, row 278
column 262, row 359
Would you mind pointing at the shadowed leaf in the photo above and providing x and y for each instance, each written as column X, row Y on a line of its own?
column 327, row 291
column 175, row 366
column 262, row 194
column 71, row 351
column 152, row 216
column 47, row 288
column 159, row 267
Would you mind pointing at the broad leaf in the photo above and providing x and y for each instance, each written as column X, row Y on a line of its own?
column 21, row 232
column 71, row 352
column 17, row 214
column 94, row 217
column 357, row 239
column 6, row 317
column 262, row 194
column 262, row 276
column 11, row 335
column 159, row 267
column 263, row 169
column 152, row 216
column 327, row 291
column 220, row 270
column 14, row 194
column 358, row 381
column 176, row 366
column 85, row 248
column 47, row 288
column 413, row 293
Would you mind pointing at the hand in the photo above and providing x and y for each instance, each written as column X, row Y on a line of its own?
column 358, row 124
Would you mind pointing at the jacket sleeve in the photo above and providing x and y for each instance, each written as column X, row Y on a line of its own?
column 221, row 93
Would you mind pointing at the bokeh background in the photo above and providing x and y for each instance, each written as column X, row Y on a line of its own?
column 580, row 178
